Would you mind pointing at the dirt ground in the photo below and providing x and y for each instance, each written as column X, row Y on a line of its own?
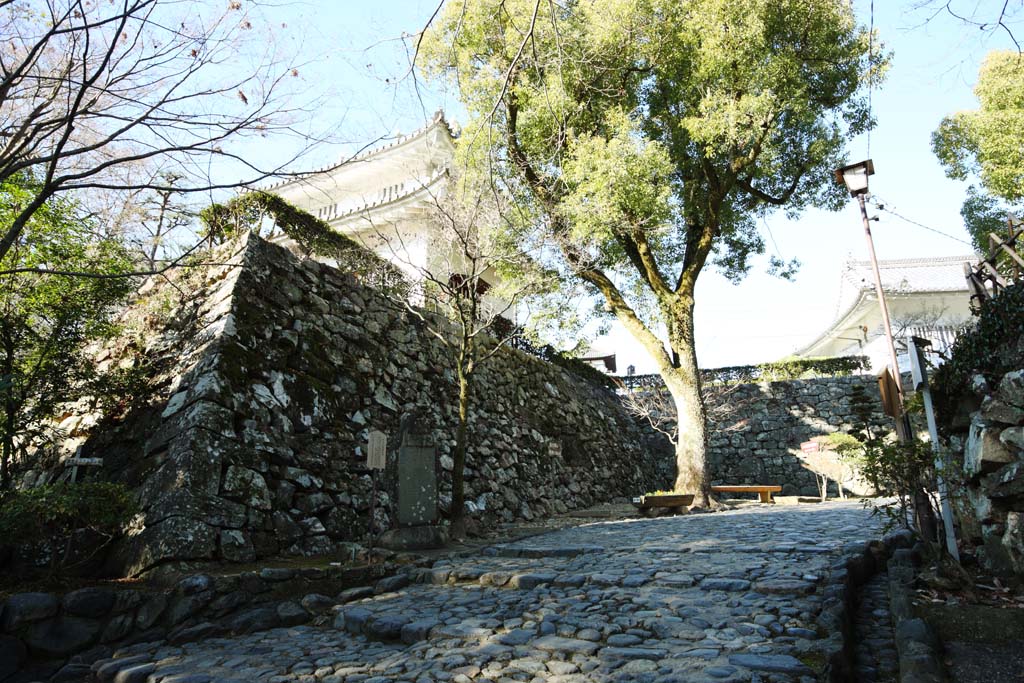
column 982, row 629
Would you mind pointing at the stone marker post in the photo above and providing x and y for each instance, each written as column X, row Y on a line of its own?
column 417, row 510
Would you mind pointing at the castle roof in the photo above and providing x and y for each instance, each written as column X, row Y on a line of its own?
column 900, row 278
column 438, row 122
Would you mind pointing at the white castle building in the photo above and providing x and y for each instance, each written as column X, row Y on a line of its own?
column 927, row 297
column 388, row 199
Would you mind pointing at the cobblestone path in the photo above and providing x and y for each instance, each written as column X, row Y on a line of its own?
column 731, row 596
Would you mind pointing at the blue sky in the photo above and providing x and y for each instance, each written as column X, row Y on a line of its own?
column 361, row 64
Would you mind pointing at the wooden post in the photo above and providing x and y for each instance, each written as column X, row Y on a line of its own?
column 77, row 461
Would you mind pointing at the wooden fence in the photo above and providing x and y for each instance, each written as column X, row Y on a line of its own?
column 1002, row 265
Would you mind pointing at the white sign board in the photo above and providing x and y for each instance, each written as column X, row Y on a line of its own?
column 376, row 457
column 95, row 462
column 918, row 367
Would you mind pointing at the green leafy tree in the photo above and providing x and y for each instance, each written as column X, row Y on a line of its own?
column 989, row 141
column 46, row 319
column 986, row 215
column 644, row 139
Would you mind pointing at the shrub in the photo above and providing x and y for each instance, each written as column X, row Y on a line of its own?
column 51, row 516
column 842, row 443
column 991, row 347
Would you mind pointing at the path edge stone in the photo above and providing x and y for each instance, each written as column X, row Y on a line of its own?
column 917, row 644
column 857, row 565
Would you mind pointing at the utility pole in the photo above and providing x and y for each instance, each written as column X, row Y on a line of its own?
column 855, row 177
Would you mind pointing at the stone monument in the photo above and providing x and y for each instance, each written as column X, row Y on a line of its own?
column 417, row 511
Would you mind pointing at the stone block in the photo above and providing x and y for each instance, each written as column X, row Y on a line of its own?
column 417, row 630
column 391, row 584
column 137, row 673
column 291, row 613
column 91, row 602
column 286, row 529
column 1013, row 541
column 183, row 607
column 980, row 503
column 1007, row 482
column 175, row 538
column 236, row 546
column 995, row 410
column 24, row 608
column 530, row 580
column 784, row 664
column 314, row 503
column 259, row 619
column 1011, row 388
column 150, row 611
column 247, row 487
column 413, row 538
column 12, row 655
column 1013, row 437
column 385, row 627
column 277, row 574
column 984, row 451
column 117, row 628
column 197, row 583
column 315, row 603
column 62, row 636
column 352, row 619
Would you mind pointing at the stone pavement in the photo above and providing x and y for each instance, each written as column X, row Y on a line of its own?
column 731, row 596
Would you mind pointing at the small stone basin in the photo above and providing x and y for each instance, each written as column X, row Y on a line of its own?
column 664, row 500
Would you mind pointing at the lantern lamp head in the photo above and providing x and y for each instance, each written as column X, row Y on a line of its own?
column 855, row 176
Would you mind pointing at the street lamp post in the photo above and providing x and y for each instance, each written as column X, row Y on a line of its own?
column 855, row 177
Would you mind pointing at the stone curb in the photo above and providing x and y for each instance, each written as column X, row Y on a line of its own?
column 59, row 636
column 860, row 562
column 916, row 643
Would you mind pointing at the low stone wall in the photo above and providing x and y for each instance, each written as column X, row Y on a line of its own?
column 992, row 510
column 39, row 632
column 756, row 429
column 266, row 374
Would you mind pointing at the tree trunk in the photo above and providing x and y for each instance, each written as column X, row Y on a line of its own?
column 458, row 509
column 7, row 457
column 683, row 383
column 10, row 410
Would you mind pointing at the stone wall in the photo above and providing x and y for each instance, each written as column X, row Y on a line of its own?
column 991, row 510
column 265, row 375
column 755, row 430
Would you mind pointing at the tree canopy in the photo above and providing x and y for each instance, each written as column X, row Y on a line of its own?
column 644, row 138
column 45, row 319
column 989, row 141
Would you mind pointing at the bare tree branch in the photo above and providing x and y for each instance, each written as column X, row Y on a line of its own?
column 88, row 88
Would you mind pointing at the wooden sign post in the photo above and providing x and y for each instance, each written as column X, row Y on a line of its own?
column 77, row 461
column 376, row 460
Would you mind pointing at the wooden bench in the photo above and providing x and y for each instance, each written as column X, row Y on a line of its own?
column 763, row 492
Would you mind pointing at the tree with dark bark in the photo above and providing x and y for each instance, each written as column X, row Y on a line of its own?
column 467, row 294
column 644, row 139
column 46, row 319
